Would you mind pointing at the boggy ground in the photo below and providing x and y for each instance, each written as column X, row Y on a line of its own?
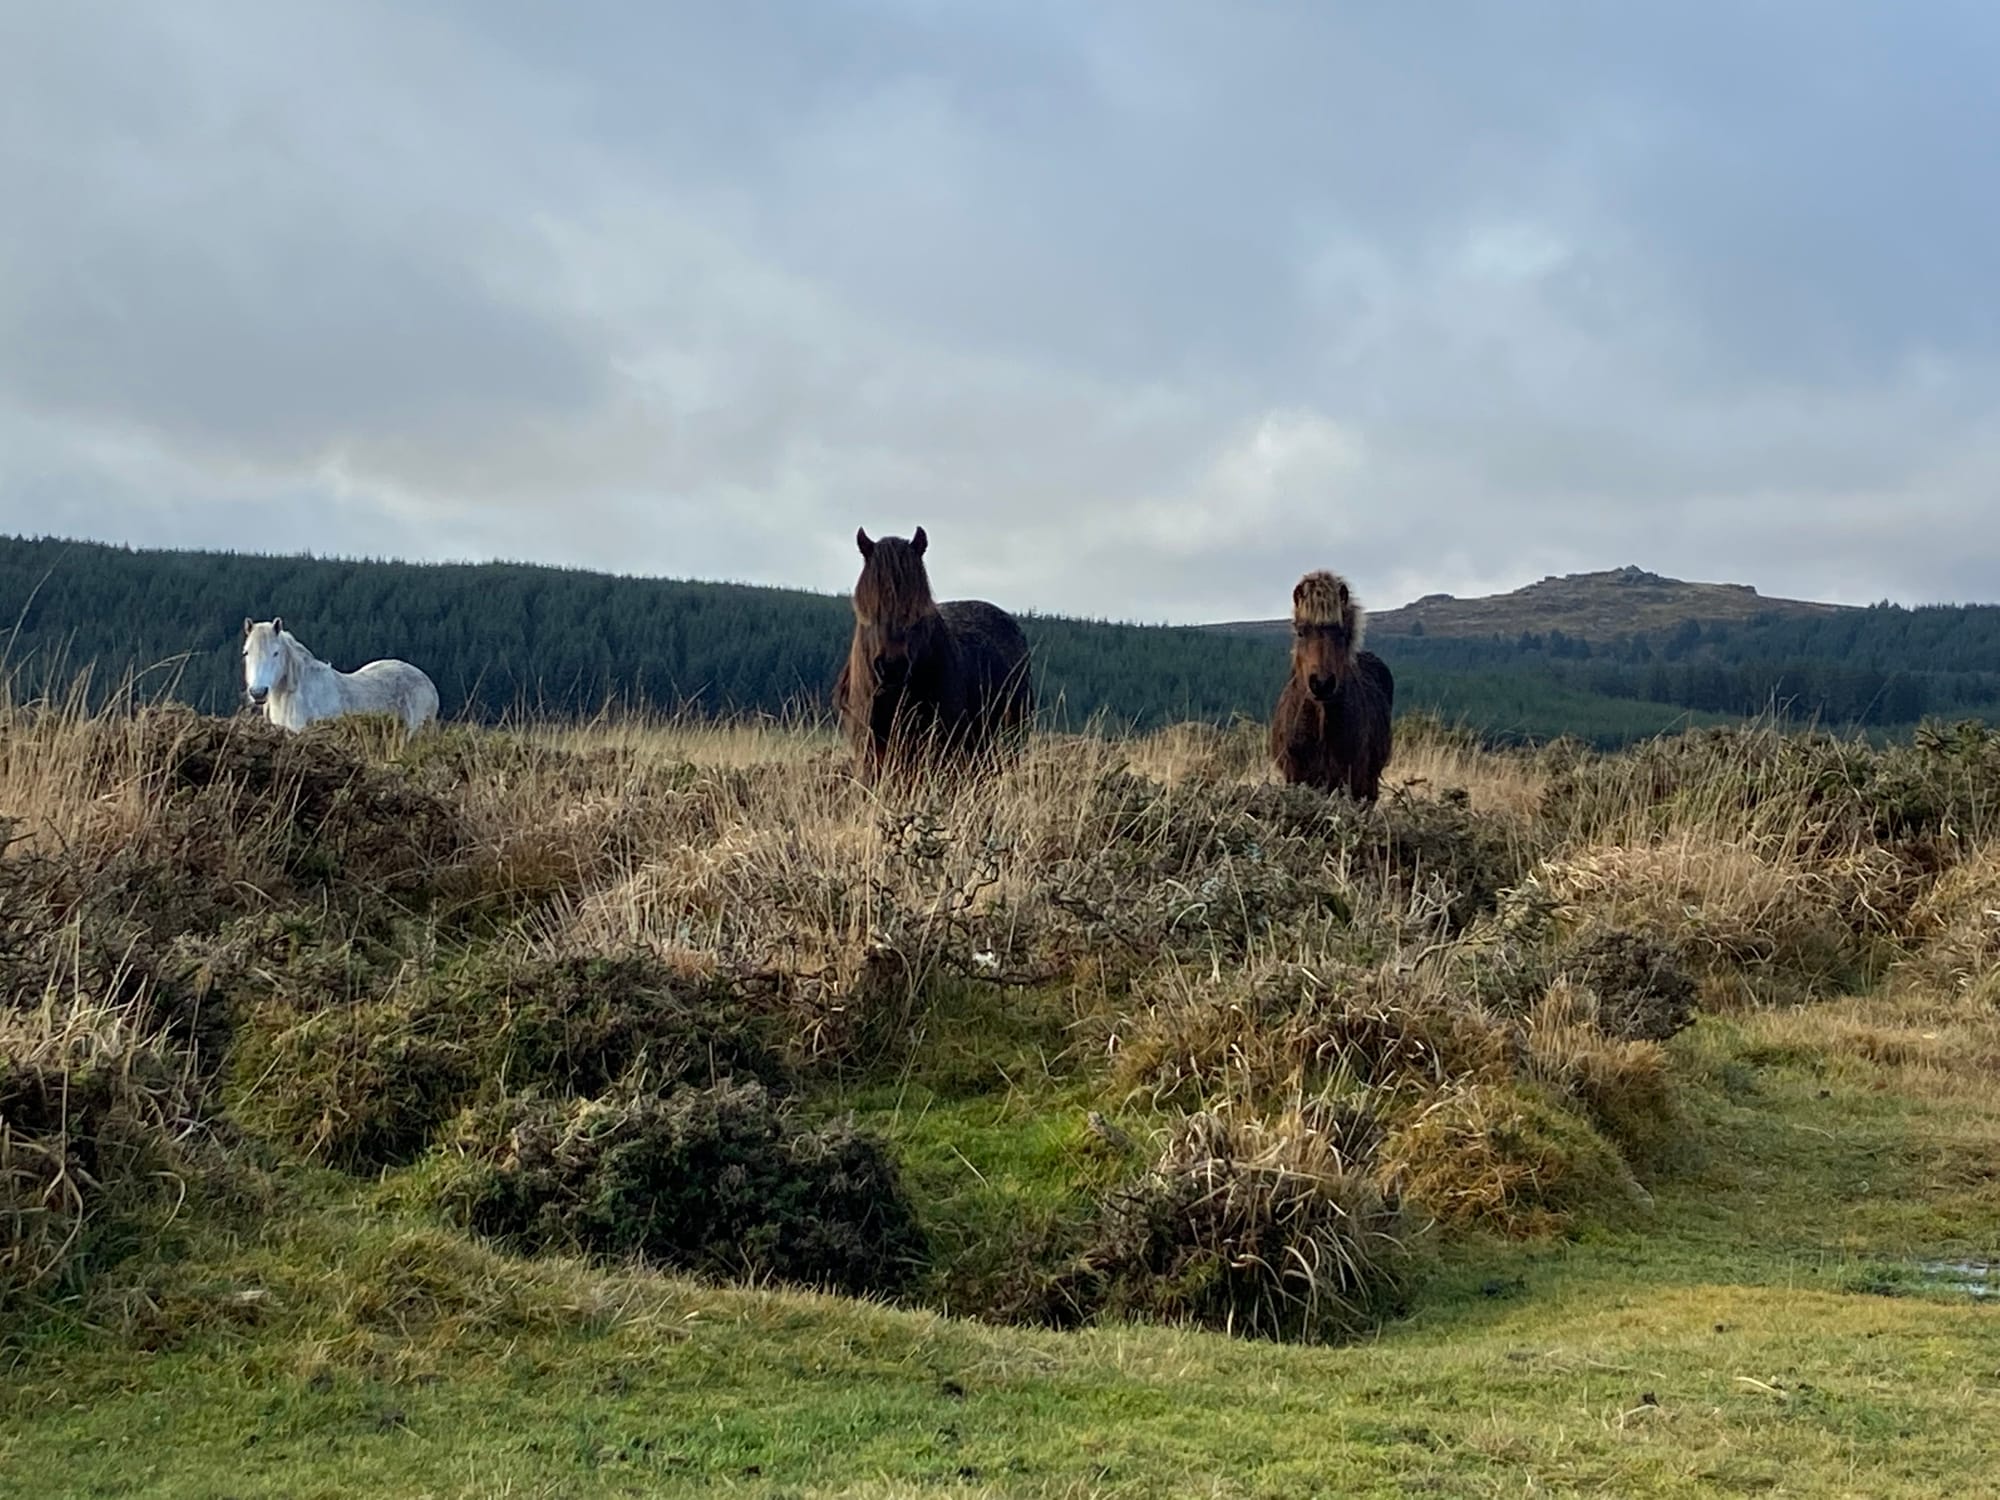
column 466, row 1117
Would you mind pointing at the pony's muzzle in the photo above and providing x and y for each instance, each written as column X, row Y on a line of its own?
column 1322, row 688
column 891, row 672
column 257, row 696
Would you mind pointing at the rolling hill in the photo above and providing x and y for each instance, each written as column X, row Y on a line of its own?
column 1596, row 607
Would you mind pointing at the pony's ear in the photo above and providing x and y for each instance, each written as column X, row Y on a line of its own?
column 246, row 627
column 919, row 542
column 277, row 625
column 861, row 540
column 1343, row 593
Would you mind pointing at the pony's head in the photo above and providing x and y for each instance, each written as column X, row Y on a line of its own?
column 1327, row 625
column 267, row 657
column 893, row 608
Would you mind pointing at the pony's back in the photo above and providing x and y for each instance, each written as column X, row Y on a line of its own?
column 1364, row 730
column 1377, row 673
column 993, row 665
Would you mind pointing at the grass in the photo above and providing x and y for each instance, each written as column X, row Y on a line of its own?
column 1740, row 1341
column 1143, row 1036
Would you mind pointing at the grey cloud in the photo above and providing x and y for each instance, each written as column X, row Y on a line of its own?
column 1140, row 308
column 221, row 267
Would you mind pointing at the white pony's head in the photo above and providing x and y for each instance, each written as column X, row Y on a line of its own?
column 267, row 657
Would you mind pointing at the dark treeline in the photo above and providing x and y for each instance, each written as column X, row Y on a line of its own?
column 501, row 639
column 1884, row 666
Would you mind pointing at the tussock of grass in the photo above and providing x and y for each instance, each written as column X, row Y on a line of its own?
column 1291, row 1029
column 1956, row 931
column 1273, row 1229
column 1622, row 1086
column 101, row 1130
column 355, row 1086
column 1722, row 906
column 1503, row 1158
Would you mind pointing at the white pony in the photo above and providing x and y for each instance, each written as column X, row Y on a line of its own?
column 294, row 687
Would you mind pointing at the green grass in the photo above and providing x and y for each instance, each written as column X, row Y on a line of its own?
column 987, row 1118
column 1765, row 1332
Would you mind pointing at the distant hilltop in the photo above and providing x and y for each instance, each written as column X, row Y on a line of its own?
column 1586, row 606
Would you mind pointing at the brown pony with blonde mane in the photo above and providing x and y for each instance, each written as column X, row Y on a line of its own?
column 1331, row 729
column 926, row 682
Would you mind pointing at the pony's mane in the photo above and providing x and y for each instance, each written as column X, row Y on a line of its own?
column 291, row 642
column 894, row 588
column 299, row 652
column 1323, row 598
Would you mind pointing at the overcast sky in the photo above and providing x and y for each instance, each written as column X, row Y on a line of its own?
column 1140, row 308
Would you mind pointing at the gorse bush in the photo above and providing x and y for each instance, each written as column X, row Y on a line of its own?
column 581, row 1025
column 725, row 1180
column 1643, row 992
column 367, row 1083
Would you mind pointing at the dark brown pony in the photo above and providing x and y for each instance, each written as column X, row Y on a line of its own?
column 924, row 682
column 1331, row 729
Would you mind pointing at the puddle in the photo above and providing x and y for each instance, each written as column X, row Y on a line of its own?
column 1976, row 1278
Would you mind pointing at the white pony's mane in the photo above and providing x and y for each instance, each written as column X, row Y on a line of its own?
column 297, row 652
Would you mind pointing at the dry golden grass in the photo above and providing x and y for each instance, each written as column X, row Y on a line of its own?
column 1508, row 784
column 1956, row 930
column 1203, row 752
column 71, row 781
column 792, row 864
column 664, row 740
column 1429, row 761
column 1720, row 901
column 1206, row 938
column 1931, row 1044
